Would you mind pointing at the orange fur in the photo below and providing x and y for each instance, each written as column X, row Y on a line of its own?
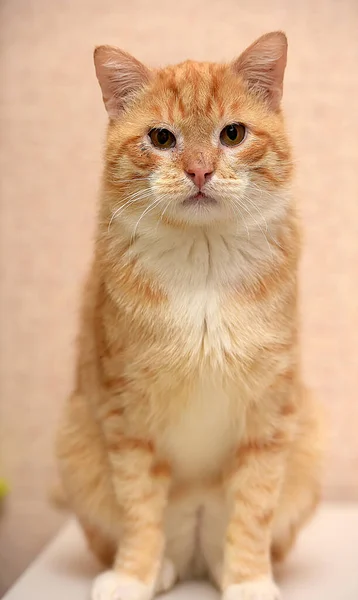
column 189, row 402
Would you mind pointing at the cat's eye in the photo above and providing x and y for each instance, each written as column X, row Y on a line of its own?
column 162, row 138
column 233, row 134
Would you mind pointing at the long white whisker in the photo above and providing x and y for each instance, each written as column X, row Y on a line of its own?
column 237, row 205
column 258, row 210
column 257, row 223
column 233, row 183
column 165, row 209
column 149, row 208
column 162, row 214
column 270, row 196
column 136, row 197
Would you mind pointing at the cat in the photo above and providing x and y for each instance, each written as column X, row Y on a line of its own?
column 190, row 446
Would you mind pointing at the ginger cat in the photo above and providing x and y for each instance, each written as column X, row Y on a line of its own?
column 190, row 446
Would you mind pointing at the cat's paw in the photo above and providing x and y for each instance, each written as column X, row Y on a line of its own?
column 253, row 590
column 118, row 586
column 167, row 577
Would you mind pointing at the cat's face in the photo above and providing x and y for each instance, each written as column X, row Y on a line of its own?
column 196, row 144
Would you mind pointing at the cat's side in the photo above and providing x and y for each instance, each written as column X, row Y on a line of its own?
column 190, row 446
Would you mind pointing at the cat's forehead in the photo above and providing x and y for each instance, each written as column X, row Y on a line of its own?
column 194, row 89
column 189, row 73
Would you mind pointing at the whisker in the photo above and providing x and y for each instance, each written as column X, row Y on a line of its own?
column 118, row 180
column 237, row 205
column 257, row 209
column 131, row 200
column 257, row 223
column 162, row 214
column 165, row 208
column 149, row 208
column 136, row 197
column 270, row 196
column 247, row 199
column 232, row 183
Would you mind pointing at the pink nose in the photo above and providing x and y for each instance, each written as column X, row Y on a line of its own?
column 199, row 175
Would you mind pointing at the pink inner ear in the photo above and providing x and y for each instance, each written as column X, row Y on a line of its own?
column 120, row 76
column 263, row 65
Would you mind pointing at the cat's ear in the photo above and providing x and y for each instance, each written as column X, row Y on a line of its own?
column 120, row 76
column 262, row 65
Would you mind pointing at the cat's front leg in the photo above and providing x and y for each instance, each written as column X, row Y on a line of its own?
column 140, row 485
column 253, row 488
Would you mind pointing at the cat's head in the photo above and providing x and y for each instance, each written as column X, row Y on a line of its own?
column 196, row 143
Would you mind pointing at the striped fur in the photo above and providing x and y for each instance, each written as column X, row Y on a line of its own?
column 190, row 445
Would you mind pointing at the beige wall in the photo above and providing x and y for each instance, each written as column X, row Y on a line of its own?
column 52, row 131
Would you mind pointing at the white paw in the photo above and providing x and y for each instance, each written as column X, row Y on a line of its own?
column 166, row 578
column 253, row 590
column 117, row 586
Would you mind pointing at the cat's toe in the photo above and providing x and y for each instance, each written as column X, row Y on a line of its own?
column 167, row 577
column 253, row 590
column 118, row 586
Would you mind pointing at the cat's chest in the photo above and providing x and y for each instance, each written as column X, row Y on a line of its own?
column 204, row 430
column 214, row 327
column 205, row 306
column 200, row 316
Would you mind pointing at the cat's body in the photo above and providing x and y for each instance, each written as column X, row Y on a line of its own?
column 190, row 434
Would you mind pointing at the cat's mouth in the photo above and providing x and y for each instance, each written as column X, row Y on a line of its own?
column 199, row 199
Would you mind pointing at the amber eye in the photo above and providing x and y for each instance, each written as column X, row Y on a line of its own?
column 233, row 134
column 162, row 138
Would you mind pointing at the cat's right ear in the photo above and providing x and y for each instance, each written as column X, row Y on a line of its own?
column 120, row 76
column 263, row 64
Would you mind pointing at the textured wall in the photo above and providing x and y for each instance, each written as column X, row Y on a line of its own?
column 52, row 131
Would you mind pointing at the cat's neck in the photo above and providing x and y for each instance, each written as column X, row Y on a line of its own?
column 201, row 257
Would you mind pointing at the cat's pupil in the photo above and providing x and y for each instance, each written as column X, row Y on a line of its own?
column 231, row 132
column 163, row 136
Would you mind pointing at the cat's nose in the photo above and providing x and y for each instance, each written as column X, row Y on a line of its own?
column 198, row 174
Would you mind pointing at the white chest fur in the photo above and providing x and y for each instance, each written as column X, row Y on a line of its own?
column 204, row 430
column 197, row 275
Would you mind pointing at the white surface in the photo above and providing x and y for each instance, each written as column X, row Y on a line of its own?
column 324, row 565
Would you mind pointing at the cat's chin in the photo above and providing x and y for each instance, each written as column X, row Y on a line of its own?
column 199, row 200
column 201, row 209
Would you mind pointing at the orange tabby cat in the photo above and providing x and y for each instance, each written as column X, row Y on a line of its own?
column 190, row 446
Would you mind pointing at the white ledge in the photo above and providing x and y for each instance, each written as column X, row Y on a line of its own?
column 324, row 565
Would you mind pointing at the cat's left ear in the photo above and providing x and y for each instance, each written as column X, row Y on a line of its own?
column 263, row 64
column 121, row 77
